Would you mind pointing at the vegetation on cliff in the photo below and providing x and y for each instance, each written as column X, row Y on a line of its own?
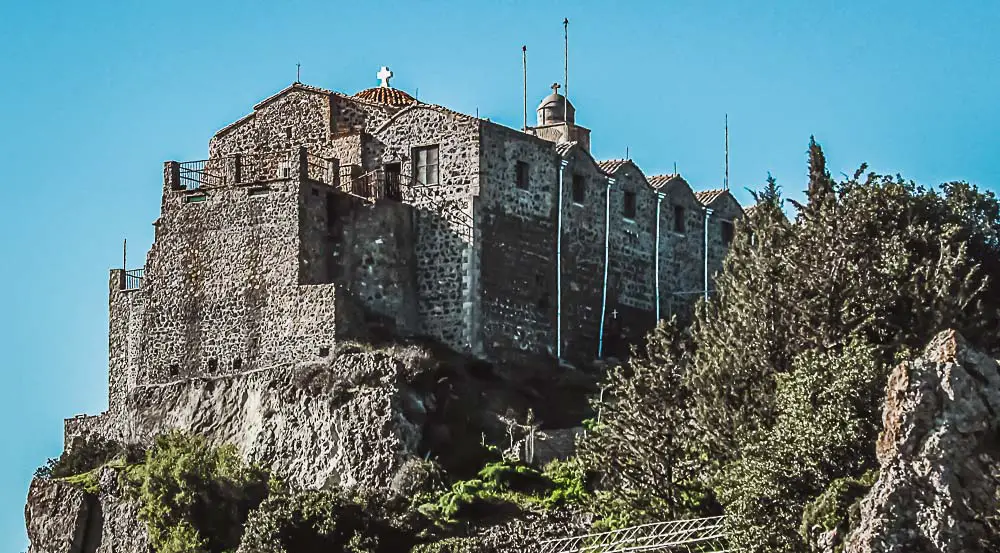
column 771, row 400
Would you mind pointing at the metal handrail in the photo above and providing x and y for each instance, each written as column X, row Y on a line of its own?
column 698, row 534
column 132, row 279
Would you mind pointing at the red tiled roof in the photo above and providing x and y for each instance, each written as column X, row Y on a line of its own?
column 659, row 181
column 386, row 95
column 609, row 166
column 706, row 197
column 563, row 148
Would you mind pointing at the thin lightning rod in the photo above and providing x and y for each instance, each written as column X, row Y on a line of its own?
column 727, row 152
column 566, row 69
column 524, row 70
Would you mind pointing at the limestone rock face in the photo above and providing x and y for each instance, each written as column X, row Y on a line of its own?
column 114, row 525
column 56, row 515
column 351, row 423
column 937, row 451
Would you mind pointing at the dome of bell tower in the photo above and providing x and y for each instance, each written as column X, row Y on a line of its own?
column 555, row 108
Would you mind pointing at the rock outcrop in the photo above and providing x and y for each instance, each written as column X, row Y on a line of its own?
column 56, row 516
column 937, row 452
column 354, row 421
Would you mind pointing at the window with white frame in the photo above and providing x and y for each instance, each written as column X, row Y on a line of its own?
column 425, row 165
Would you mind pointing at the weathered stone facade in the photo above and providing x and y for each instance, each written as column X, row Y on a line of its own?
column 321, row 215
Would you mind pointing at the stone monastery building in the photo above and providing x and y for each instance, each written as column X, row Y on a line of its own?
column 320, row 215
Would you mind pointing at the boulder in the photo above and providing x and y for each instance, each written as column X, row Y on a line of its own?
column 938, row 450
column 56, row 516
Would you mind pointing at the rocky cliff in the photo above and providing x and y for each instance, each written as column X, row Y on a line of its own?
column 939, row 449
column 352, row 422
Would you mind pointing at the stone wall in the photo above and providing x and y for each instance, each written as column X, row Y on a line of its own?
column 584, row 226
column 367, row 250
column 443, row 246
column 518, row 246
column 682, row 253
column 725, row 209
column 293, row 117
column 126, row 312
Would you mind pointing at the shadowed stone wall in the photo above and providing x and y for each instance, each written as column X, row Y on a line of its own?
column 443, row 246
column 583, row 256
column 518, row 274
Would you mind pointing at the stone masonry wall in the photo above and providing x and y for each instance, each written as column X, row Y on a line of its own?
column 298, row 116
column 631, row 274
column 126, row 312
column 682, row 262
column 583, row 257
column 724, row 210
column 518, row 269
column 221, row 285
column 443, row 247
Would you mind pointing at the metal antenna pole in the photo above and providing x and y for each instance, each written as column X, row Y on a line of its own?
column 727, row 152
column 524, row 72
column 298, row 72
column 566, row 70
column 124, row 254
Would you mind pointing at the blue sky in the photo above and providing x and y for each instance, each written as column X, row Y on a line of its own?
column 96, row 95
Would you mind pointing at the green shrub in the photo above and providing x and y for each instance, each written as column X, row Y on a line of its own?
column 85, row 455
column 321, row 520
column 838, row 506
column 505, row 487
column 194, row 498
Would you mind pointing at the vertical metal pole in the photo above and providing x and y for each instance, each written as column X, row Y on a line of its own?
column 727, row 152
column 604, row 294
column 125, row 254
column 524, row 71
column 708, row 214
column 656, row 270
column 566, row 70
column 562, row 171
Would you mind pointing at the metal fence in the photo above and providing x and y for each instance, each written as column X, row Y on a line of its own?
column 701, row 535
column 205, row 173
column 132, row 279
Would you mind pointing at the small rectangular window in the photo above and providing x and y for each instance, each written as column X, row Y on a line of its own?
column 426, row 165
column 579, row 189
column 679, row 219
column 629, row 210
column 727, row 233
column 523, row 177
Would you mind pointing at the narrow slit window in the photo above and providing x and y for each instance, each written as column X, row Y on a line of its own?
column 727, row 233
column 579, row 189
column 630, row 205
column 679, row 219
column 522, row 173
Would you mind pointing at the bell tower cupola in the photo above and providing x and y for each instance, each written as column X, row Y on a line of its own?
column 556, row 121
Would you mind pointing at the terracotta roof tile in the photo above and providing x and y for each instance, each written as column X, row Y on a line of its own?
column 609, row 166
column 706, row 197
column 659, row 181
column 386, row 95
column 563, row 148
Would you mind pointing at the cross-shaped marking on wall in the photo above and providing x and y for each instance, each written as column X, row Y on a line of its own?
column 384, row 75
column 614, row 314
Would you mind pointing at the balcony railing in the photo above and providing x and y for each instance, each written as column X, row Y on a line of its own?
column 233, row 169
column 205, row 173
column 132, row 279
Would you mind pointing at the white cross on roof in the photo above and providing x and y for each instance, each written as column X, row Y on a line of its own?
column 384, row 75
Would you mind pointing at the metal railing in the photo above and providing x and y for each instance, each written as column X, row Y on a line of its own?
column 132, row 279
column 205, row 173
column 703, row 535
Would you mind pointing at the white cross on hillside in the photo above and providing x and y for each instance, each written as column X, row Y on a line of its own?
column 384, row 75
